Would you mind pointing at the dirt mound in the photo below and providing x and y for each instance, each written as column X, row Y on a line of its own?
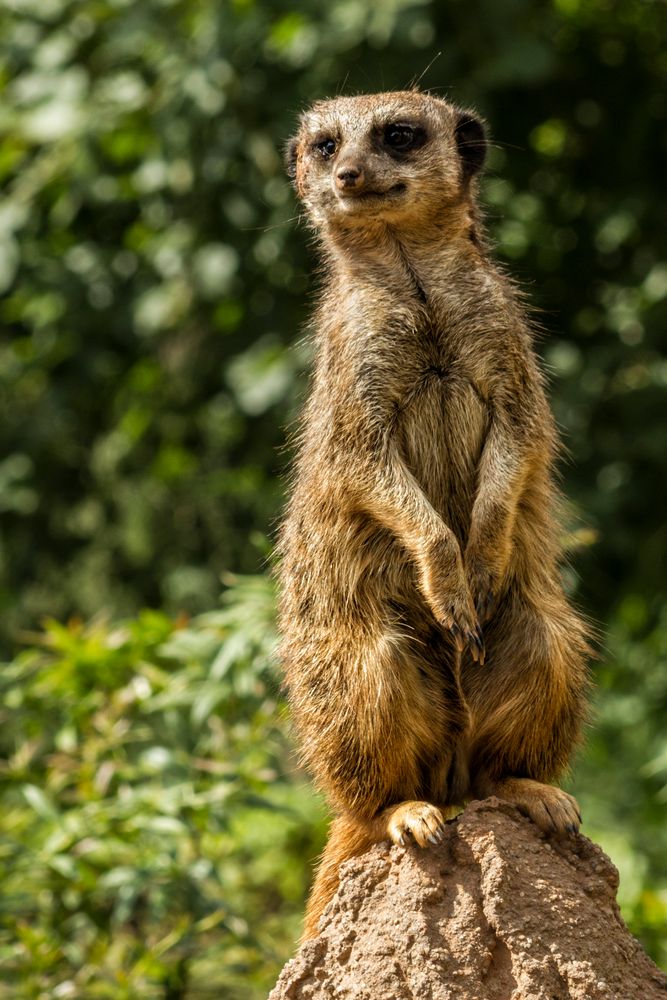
column 498, row 911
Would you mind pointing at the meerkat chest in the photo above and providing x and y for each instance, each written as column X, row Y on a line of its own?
column 441, row 425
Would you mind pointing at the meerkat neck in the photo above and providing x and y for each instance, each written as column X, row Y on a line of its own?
column 414, row 264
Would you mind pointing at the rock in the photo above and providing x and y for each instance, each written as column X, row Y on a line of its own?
column 497, row 911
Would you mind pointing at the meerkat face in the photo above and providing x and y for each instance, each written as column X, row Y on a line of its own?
column 396, row 156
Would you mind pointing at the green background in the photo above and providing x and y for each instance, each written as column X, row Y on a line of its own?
column 155, row 282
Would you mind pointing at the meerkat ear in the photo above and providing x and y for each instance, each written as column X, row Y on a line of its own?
column 471, row 142
column 290, row 158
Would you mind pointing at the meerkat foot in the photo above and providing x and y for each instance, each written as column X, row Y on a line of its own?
column 421, row 819
column 554, row 810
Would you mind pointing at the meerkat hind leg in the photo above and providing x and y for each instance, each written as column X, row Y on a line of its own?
column 349, row 837
column 554, row 810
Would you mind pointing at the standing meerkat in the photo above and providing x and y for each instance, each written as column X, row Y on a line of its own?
column 430, row 653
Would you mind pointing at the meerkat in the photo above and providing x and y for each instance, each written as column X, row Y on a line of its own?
column 430, row 653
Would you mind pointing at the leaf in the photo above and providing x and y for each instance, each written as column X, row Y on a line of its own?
column 40, row 802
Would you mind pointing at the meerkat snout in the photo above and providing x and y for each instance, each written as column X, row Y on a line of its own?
column 350, row 176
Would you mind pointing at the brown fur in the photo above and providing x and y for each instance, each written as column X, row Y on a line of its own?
column 423, row 508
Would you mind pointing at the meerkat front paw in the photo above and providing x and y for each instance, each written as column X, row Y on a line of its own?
column 422, row 820
column 459, row 618
column 484, row 581
column 462, row 623
column 484, row 589
column 446, row 590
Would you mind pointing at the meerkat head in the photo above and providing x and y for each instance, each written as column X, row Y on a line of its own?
column 394, row 157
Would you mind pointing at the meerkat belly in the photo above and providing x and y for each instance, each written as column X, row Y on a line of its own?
column 442, row 435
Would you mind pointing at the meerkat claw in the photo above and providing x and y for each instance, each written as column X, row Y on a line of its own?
column 458, row 638
column 476, row 645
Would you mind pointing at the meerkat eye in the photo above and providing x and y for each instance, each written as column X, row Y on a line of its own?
column 326, row 148
column 400, row 136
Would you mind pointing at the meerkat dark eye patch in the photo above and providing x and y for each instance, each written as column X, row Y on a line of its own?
column 326, row 147
column 471, row 142
column 402, row 136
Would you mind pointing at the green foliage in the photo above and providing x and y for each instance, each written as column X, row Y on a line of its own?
column 621, row 779
column 153, row 286
column 154, row 840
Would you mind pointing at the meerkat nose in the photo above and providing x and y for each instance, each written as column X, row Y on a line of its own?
column 349, row 175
